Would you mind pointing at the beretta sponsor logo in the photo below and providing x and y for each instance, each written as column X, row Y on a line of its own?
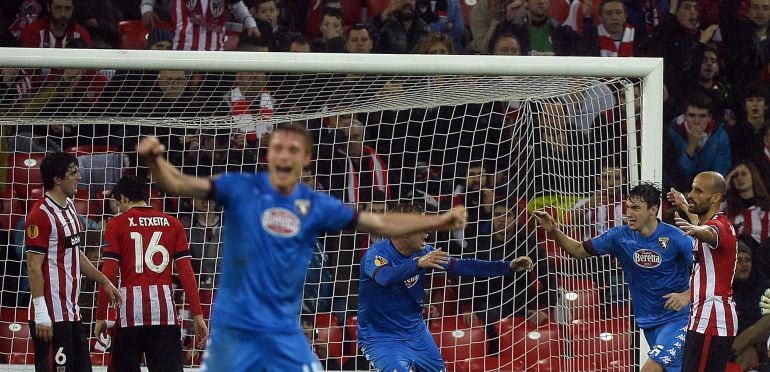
column 647, row 258
column 280, row 222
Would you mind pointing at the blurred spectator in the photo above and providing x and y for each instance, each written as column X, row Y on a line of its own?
column 398, row 29
column 56, row 30
column 199, row 28
column 359, row 40
column 747, row 133
column 485, row 16
column 762, row 158
column 646, row 16
column 204, row 234
column 505, row 44
column 753, row 329
column 100, row 18
column 22, row 13
column 299, row 44
column 478, row 198
column 160, row 39
column 540, row 34
column 443, row 16
column 700, row 143
column 614, row 36
column 331, row 33
column 15, row 86
column 704, row 77
column 748, row 203
column 319, row 345
column 605, row 208
column 436, row 43
column 266, row 12
column 746, row 46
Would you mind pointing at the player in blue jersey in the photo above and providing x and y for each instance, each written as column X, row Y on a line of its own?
column 656, row 258
column 273, row 222
column 391, row 331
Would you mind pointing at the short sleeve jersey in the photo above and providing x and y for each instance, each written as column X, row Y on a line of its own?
column 654, row 267
column 268, row 242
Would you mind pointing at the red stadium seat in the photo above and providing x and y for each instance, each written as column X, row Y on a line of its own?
column 25, row 175
column 206, row 297
column 581, row 298
column 90, row 149
column 11, row 209
column 457, row 340
column 84, row 205
column 34, row 195
column 490, row 363
column 16, row 346
column 352, row 331
column 607, row 342
column 537, row 348
column 330, row 333
column 156, row 200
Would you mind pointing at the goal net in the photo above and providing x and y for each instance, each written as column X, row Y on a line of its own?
column 501, row 136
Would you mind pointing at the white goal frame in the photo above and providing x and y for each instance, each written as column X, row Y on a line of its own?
column 649, row 70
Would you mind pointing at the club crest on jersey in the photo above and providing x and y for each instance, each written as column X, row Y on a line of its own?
column 280, row 222
column 217, row 8
column 663, row 242
column 33, row 231
column 302, row 206
column 380, row 261
column 409, row 283
column 647, row 258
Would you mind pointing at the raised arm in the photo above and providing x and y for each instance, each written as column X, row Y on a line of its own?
column 573, row 247
column 169, row 178
column 397, row 224
column 704, row 233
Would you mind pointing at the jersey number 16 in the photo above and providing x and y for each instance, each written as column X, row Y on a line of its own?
column 146, row 257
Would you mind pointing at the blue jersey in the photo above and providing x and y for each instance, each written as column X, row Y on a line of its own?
column 268, row 241
column 391, row 288
column 654, row 267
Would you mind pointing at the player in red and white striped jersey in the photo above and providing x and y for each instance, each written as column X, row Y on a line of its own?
column 200, row 24
column 55, row 262
column 55, row 31
column 713, row 320
column 146, row 245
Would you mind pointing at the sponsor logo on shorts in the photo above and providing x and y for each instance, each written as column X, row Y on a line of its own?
column 280, row 222
column 647, row 258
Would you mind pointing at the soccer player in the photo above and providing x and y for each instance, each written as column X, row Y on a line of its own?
column 147, row 246
column 391, row 330
column 272, row 223
column 713, row 320
column 656, row 258
column 55, row 263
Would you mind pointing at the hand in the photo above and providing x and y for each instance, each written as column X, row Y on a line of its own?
column 9, row 74
column 392, row 7
column 587, row 8
column 254, row 32
column 764, row 302
column 522, row 263
column 694, row 135
column 435, row 259
column 707, row 34
column 100, row 331
column 149, row 19
column 149, row 148
column 546, row 221
column 44, row 331
column 239, row 141
column 114, row 293
column 487, row 196
column 201, row 330
column 513, row 9
column 92, row 22
column 677, row 199
column 455, row 218
column 676, row 301
column 686, row 226
column 673, row 6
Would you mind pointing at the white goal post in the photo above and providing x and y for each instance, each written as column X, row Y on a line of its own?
column 409, row 88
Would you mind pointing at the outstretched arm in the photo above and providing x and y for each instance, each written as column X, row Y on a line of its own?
column 704, row 233
column 573, row 247
column 398, row 224
column 169, row 178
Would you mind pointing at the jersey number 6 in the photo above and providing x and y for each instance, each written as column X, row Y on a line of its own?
column 146, row 258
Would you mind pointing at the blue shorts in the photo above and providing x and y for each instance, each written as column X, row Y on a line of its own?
column 404, row 356
column 667, row 344
column 236, row 350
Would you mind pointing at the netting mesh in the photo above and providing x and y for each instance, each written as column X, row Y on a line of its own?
column 500, row 145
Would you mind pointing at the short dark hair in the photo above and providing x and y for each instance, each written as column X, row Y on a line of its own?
column 409, row 208
column 698, row 100
column 605, row 2
column 755, row 89
column 647, row 192
column 679, row 5
column 132, row 187
column 55, row 165
column 249, row 43
column 493, row 42
column 332, row 12
column 296, row 129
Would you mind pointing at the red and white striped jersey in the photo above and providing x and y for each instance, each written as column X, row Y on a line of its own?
column 54, row 231
column 142, row 243
column 753, row 222
column 711, row 282
column 39, row 35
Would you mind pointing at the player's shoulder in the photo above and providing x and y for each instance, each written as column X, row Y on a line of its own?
column 381, row 248
column 36, row 212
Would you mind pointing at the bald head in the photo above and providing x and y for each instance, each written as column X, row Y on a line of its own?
column 715, row 181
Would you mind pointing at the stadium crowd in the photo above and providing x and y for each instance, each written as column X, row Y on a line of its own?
column 716, row 57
